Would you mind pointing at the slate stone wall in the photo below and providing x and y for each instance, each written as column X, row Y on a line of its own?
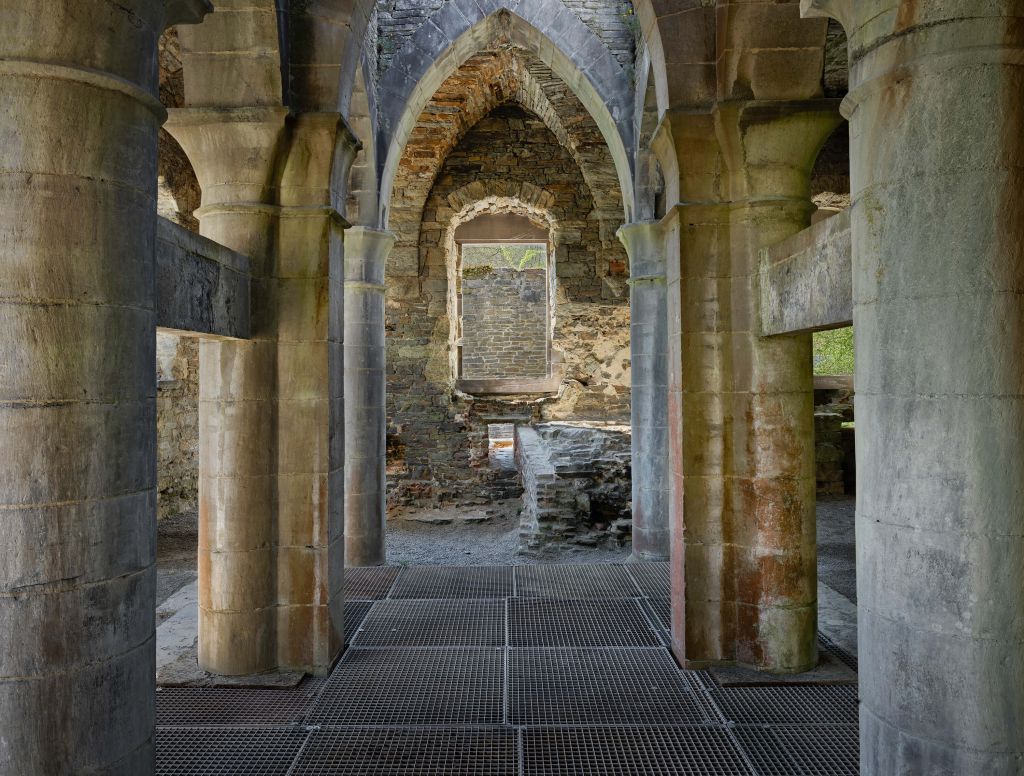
column 504, row 323
column 437, row 436
column 577, row 486
column 612, row 21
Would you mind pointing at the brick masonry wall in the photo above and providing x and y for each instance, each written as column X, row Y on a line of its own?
column 504, row 323
column 438, row 436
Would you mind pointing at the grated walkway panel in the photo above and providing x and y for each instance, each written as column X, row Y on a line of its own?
column 434, row 623
column 454, row 582
column 630, row 751
column 822, row 750
column 653, row 579
column 410, row 753
column 215, row 706
column 414, row 687
column 369, row 583
column 540, row 622
column 572, row 582
column 355, row 613
column 788, row 704
column 210, row 752
column 765, row 752
column 598, row 686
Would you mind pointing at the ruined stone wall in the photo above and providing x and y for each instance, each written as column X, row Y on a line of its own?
column 612, row 21
column 177, row 424
column 437, row 437
column 577, row 486
column 504, row 323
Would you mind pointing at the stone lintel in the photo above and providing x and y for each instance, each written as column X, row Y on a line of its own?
column 508, row 385
column 807, row 280
column 201, row 286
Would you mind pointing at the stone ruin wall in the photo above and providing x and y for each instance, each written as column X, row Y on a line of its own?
column 504, row 323
column 177, row 424
column 577, row 486
column 437, row 436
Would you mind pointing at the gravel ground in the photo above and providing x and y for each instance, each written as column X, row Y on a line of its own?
column 489, row 536
column 473, row 536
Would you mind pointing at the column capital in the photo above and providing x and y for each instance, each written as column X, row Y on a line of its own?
column 369, row 241
column 366, row 254
column 644, row 242
column 769, row 148
column 322, row 148
column 840, row 10
column 234, row 151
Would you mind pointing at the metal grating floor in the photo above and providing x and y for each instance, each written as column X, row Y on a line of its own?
column 410, row 753
column 509, row 672
column 651, row 751
column 355, row 614
column 653, row 579
column 454, row 582
column 212, row 706
column 615, row 622
column 414, row 687
column 605, row 581
column 205, row 752
column 788, row 704
column 369, row 583
column 598, row 686
column 434, row 623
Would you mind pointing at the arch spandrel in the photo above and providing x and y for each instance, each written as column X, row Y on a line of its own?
column 458, row 30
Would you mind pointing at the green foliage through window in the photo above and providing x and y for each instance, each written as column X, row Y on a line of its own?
column 833, row 352
column 517, row 256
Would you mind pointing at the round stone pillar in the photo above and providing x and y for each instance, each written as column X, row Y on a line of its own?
column 366, row 252
column 78, row 166
column 648, row 345
column 741, row 423
column 936, row 107
column 234, row 153
column 769, row 149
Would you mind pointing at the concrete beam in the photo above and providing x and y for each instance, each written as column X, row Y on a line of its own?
column 807, row 279
column 201, row 286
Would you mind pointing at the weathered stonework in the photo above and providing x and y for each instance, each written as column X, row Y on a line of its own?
column 177, row 424
column 441, row 432
column 576, row 485
column 611, row 20
column 504, row 323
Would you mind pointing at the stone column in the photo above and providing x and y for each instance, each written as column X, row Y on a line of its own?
column 271, row 408
column 78, row 156
column 695, row 227
column 648, row 344
column 741, row 407
column 306, row 295
column 366, row 252
column 936, row 107
column 769, row 150
column 234, row 154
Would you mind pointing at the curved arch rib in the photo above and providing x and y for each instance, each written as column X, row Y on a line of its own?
column 555, row 35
